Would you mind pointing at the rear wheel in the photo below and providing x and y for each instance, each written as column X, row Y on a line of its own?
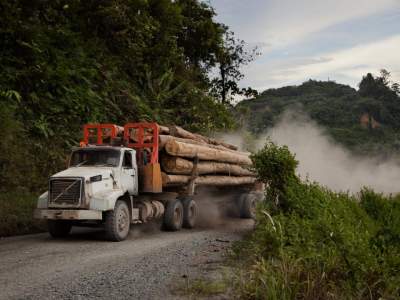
column 117, row 222
column 173, row 216
column 189, row 213
column 59, row 228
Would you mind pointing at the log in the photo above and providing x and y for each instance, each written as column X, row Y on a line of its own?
column 163, row 129
column 163, row 140
column 224, row 180
column 180, row 132
column 169, row 180
column 178, row 165
column 217, row 142
column 176, row 148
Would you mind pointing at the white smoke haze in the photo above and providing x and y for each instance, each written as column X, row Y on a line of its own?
column 234, row 138
column 323, row 160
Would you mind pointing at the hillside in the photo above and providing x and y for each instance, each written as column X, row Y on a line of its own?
column 365, row 120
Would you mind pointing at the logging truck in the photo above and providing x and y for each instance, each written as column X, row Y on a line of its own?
column 121, row 176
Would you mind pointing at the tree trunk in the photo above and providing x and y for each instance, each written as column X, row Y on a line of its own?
column 177, row 165
column 165, row 138
column 163, row 129
column 176, row 148
column 182, row 133
column 223, row 84
column 224, row 180
column 169, row 180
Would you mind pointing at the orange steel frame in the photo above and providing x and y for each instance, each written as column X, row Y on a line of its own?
column 99, row 128
column 141, row 144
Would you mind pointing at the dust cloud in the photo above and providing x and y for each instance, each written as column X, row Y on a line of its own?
column 215, row 209
column 323, row 160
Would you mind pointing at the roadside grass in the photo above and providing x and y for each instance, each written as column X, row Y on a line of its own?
column 201, row 288
column 205, row 288
column 16, row 214
column 312, row 243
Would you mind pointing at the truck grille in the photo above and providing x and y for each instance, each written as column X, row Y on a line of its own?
column 66, row 191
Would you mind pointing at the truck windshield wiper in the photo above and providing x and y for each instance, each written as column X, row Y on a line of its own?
column 81, row 163
column 105, row 164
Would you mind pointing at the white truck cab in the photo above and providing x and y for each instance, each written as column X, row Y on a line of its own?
column 96, row 178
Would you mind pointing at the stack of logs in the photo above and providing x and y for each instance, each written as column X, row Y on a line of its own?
column 187, row 157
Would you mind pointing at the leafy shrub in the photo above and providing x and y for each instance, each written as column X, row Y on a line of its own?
column 320, row 244
column 276, row 167
column 16, row 214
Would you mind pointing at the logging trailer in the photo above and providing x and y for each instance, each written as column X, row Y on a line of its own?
column 140, row 172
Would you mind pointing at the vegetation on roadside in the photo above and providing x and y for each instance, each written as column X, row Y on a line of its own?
column 16, row 211
column 202, row 288
column 366, row 120
column 312, row 243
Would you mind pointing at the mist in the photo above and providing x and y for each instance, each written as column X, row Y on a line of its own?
column 323, row 160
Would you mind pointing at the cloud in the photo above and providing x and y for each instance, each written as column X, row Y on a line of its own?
column 356, row 61
column 347, row 65
column 319, row 39
column 283, row 22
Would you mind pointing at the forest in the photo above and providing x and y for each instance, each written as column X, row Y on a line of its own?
column 365, row 120
column 67, row 63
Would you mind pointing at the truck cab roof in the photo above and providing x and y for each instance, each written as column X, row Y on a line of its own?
column 101, row 148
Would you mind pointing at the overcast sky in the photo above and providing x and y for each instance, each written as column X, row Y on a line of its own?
column 340, row 40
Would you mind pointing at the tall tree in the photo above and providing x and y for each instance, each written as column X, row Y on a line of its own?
column 379, row 87
column 230, row 58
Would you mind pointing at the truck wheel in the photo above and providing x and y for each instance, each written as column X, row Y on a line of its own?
column 59, row 228
column 173, row 216
column 117, row 222
column 189, row 213
column 248, row 206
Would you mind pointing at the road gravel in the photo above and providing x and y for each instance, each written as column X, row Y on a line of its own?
column 84, row 266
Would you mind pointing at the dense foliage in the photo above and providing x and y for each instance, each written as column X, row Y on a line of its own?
column 67, row 63
column 365, row 120
column 317, row 244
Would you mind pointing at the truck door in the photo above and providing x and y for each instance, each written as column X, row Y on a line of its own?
column 129, row 180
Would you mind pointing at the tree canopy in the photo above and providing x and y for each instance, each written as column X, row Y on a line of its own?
column 67, row 63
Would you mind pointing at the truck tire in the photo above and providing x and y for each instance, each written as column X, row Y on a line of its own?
column 247, row 206
column 59, row 228
column 173, row 216
column 117, row 222
column 189, row 213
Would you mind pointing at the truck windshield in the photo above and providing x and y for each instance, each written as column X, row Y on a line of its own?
column 95, row 157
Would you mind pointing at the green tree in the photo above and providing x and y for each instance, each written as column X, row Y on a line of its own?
column 231, row 58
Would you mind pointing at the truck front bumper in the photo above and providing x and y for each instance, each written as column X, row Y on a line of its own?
column 67, row 214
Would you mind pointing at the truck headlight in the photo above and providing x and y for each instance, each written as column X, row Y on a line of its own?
column 96, row 178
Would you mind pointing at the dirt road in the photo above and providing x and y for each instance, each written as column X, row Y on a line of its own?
column 145, row 266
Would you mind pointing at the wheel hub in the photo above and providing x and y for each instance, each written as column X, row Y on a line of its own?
column 122, row 220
